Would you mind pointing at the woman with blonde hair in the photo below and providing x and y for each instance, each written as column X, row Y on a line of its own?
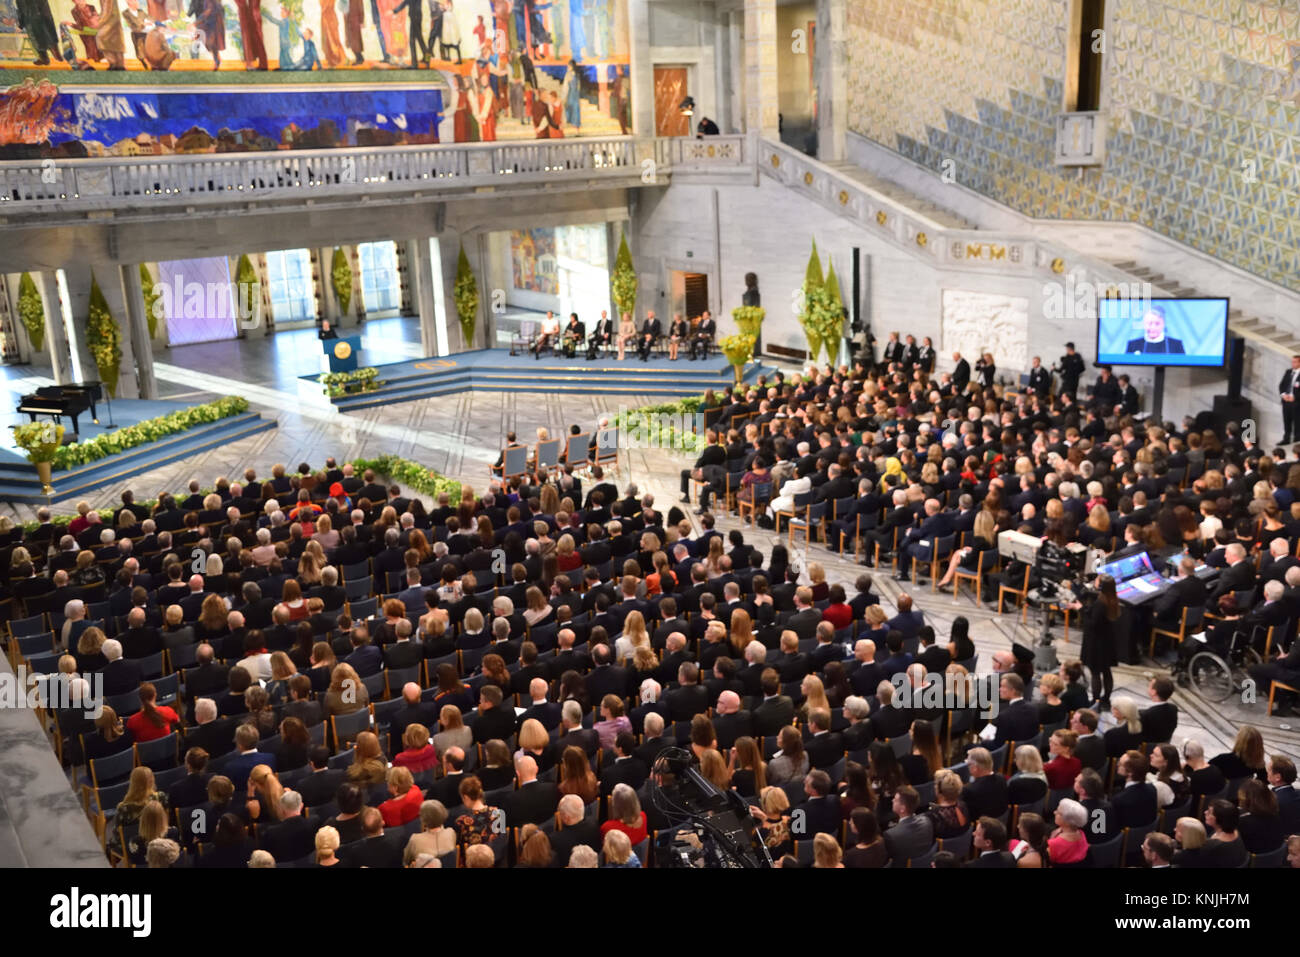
column 327, row 842
column 454, row 734
column 368, row 768
column 433, row 837
column 417, row 753
column 1190, row 836
column 139, row 792
column 774, row 821
column 817, row 575
column 713, row 561
column 346, row 693
column 403, row 806
column 1127, row 734
column 537, row 609
column 534, row 847
column 325, row 533
column 713, row 767
column 1246, row 759
column 535, row 743
column 264, row 793
column 566, row 556
column 746, row 768
column 1029, row 783
column 634, row 636
column 742, row 632
column 617, row 849
column 90, row 656
column 983, row 536
column 154, row 826
column 212, row 619
column 86, row 573
column 310, row 565
column 826, row 851
column 875, row 619
column 814, row 697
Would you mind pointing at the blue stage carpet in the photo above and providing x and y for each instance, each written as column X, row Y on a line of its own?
column 125, row 412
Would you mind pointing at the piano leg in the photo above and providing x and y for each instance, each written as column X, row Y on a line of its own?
column 75, row 429
column 94, row 414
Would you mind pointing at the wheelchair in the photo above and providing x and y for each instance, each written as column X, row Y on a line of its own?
column 1217, row 676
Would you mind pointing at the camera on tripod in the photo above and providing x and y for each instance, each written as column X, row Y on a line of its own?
column 1059, row 568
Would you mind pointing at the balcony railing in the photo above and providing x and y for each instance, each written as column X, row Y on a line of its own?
column 140, row 181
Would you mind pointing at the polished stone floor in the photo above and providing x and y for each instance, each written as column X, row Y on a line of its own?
column 461, row 436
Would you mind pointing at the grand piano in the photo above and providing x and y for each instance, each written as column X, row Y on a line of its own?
column 68, row 400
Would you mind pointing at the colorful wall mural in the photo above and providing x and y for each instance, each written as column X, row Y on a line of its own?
column 474, row 71
column 1202, row 100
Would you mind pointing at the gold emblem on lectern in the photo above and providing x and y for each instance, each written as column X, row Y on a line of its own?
column 342, row 350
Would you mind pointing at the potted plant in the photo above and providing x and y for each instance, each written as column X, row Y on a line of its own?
column 623, row 280
column 738, row 349
column 749, row 319
column 40, row 440
column 466, row 296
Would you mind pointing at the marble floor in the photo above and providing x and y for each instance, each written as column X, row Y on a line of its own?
column 461, row 436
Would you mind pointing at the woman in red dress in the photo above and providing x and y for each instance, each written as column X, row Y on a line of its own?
column 487, row 110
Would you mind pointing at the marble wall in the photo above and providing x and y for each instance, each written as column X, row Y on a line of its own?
column 979, row 322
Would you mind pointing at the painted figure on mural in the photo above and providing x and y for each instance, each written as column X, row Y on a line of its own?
column 109, row 35
column 554, row 13
column 618, row 101
column 34, row 19
column 573, row 94
column 601, row 25
column 138, row 24
column 353, row 21
column 250, row 29
column 285, row 28
column 450, row 38
column 333, row 55
column 210, row 27
column 415, row 31
column 157, row 11
column 464, row 124
column 84, row 23
column 538, row 37
column 377, row 19
column 158, row 53
column 486, row 114
column 309, row 60
column 578, row 29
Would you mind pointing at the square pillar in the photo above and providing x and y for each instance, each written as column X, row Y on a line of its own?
column 762, row 88
column 138, row 325
column 831, row 72
column 640, row 68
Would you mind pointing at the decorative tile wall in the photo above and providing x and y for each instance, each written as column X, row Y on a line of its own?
column 1202, row 98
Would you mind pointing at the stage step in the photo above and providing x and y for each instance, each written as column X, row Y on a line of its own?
column 19, row 483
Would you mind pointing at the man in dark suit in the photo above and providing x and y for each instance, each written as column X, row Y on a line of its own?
column 140, row 640
column 1239, row 575
column 1136, row 803
column 193, row 788
column 1090, row 791
column 689, row 698
column 213, row 734
column 731, row 721
column 960, row 373
column 1289, row 390
column 804, row 619
column 1186, row 591
column 985, row 795
column 120, row 675
column 412, row 711
column 547, row 712
column 495, row 719
column 576, row 830
column 704, row 332
column 1017, row 719
column 403, row 653
column 377, row 848
column 607, row 678
column 936, row 524
column 1091, row 746
column 626, row 767
column 1159, row 720
column 912, row 835
column 653, row 740
column 1281, row 780
column 447, row 788
column 990, row 839
column 295, row 836
column 602, row 335
column 824, row 746
column 534, row 801
column 572, row 733
column 1153, row 340
column 247, row 757
column 776, row 710
column 650, row 332
column 821, row 810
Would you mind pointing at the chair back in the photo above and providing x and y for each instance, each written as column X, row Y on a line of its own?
column 575, row 451
column 514, row 461
column 548, row 454
column 606, row 445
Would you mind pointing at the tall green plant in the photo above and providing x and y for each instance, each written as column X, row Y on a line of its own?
column 466, row 295
column 833, row 330
column 151, row 296
column 31, row 309
column 812, row 290
column 104, row 338
column 341, row 277
column 623, row 280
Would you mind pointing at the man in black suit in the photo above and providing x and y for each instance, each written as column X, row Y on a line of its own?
column 912, row 835
column 1159, row 720
column 1017, row 719
column 1186, row 591
column 607, row 678
column 572, row 733
column 301, row 706
column 120, row 675
column 1239, row 575
column 1136, row 803
column 1040, row 380
column 824, row 746
column 804, row 619
column 576, row 830
column 495, row 719
column 193, row 788
column 547, row 712
column 650, row 332
column 1153, row 340
column 140, row 640
column 534, row 801
column 990, row 839
column 626, row 767
column 1289, row 391
column 1281, row 780
column 213, row 734
column 704, row 332
column 776, row 710
column 295, row 836
column 566, row 657
column 822, row 814
column 985, row 795
column 402, row 653
column 960, row 373
column 731, row 721
column 1090, row 791
column 689, row 698
column 1091, row 746
column 653, row 740
column 602, row 335
column 377, row 847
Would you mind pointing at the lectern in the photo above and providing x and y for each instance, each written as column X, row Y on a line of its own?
column 342, row 353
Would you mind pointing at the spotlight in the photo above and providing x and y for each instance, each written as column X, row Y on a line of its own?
column 687, row 106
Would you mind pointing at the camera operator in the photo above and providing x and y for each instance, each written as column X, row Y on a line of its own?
column 1101, row 634
column 1070, row 368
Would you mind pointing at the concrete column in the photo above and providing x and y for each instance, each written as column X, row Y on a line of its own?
column 832, row 83
column 56, row 336
column 736, row 70
column 723, row 52
column 329, row 302
column 9, row 287
column 77, row 280
column 420, row 276
column 138, row 324
column 641, row 68
column 111, row 283
column 762, row 88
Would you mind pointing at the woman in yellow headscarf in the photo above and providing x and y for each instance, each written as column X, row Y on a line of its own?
column 892, row 467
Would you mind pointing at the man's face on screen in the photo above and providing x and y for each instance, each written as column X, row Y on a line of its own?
column 1154, row 325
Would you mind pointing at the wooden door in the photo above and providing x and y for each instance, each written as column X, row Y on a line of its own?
column 670, row 90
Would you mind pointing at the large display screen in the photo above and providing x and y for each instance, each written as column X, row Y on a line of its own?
column 1162, row 332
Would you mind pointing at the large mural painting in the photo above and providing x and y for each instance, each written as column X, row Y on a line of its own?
column 116, row 77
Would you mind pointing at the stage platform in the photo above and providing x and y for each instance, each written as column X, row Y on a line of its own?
column 19, row 482
column 497, row 370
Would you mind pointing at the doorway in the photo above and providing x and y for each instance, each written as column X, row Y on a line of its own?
column 690, row 295
column 670, row 90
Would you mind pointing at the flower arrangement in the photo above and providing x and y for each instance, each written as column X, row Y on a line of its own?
column 104, row 338
column 655, row 424
column 364, row 379
column 151, row 296
column 749, row 319
column 31, row 309
column 246, row 278
column 738, row 349
column 150, row 430
column 413, row 475
column 623, row 279
column 341, row 278
column 466, row 295
column 822, row 315
column 40, row 440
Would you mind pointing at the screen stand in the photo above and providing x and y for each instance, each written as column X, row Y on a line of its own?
column 1158, row 397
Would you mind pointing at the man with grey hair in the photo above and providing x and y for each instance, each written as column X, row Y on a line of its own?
column 576, row 831
column 120, row 675
column 858, row 735
column 583, row 856
column 74, row 623
column 730, row 720
column 295, row 836
column 572, row 733
column 652, row 740
column 533, row 801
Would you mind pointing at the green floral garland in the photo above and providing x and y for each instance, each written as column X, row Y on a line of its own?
column 623, row 280
column 341, row 277
column 151, row 297
column 667, row 436
column 413, row 475
column 364, row 379
column 31, row 309
column 150, row 430
column 104, row 338
column 465, row 293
